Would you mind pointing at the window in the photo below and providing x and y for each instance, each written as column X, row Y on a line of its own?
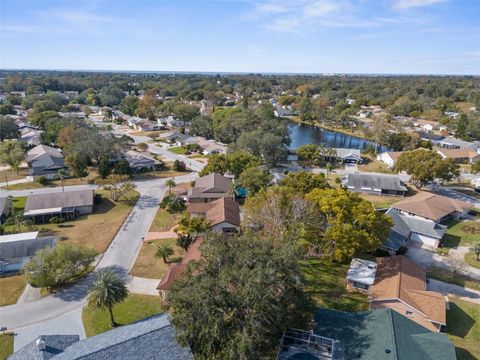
column 359, row 285
column 409, row 313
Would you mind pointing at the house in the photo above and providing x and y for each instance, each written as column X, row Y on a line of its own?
column 376, row 184
column 348, row 156
column 44, row 161
column 462, row 155
column 223, row 214
column 175, row 271
column 389, row 157
column 17, row 249
column 68, row 205
column 132, row 121
column 171, row 121
column 453, row 143
column 283, row 112
column 5, row 208
column 209, row 188
column 361, row 275
column 433, row 207
column 139, row 162
column 422, row 231
column 214, row 148
column 30, row 136
column 146, row 125
column 426, row 125
column 400, row 285
column 370, row 335
column 151, row 338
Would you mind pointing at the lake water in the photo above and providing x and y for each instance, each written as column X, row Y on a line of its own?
column 302, row 134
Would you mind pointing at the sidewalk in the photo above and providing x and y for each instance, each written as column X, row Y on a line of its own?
column 18, row 181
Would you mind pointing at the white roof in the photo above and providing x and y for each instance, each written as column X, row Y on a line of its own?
column 43, row 211
column 19, row 237
column 362, row 271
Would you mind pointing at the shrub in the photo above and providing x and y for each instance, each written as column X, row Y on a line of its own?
column 42, row 180
column 172, row 203
column 443, row 251
column 179, row 165
column 97, row 200
column 56, row 220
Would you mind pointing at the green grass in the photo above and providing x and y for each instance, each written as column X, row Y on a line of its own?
column 449, row 277
column 471, row 259
column 11, row 287
column 165, row 220
column 456, row 236
column 178, row 150
column 463, row 328
column 327, row 285
column 19, row 202
column 6, row 345
column 135, row 307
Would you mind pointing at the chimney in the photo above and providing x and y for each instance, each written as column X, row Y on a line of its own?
column 40, row 344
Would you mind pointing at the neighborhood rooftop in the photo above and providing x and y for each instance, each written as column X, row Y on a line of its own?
column 59, row 200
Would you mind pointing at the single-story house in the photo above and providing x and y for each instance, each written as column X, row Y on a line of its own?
column 463, row 155
column 68, row 205
column 453, row 143
column 283, row 112
column 209, row 188
column 17, row 249
column 348, row 156
column 433, row 207
column 400, row 284
column 171, row 120
column 426, row 125
column 139, row 162
column 213, row 148
column 223, row 215
column 370, row 335
column 6, row 208
column 132, row 121
column 361, row 275
column 376, row 184
column 175, row 271
column 150, row 338
column 146, row 125
column 389, row 157
column 30, row 136
column 44, row 161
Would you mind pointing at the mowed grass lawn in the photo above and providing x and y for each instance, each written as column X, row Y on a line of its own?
column 6, row 345
column 165, row 220
column 134, row 308
column 178, row 150
column 327, row 285
column 89, row 179
column 461, row 233
column 11, row 287
column 96, row 230
column 380, row 202
column 463, row 328
column 449, row 277
column 471, row 259
column 148, row 266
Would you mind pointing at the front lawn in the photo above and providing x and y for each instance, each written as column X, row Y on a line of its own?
column 180, row 150
column 89, row 179
column 151, row 267
column 380, row 202
column 164, row 220
column 449, row 277
column 463, row 328
column 375, row 166
column 327, row 285
column 461, row 233
column 134, row 308
column 6, row 345
column 11, row 287
column 471, row 259
column 96, row 230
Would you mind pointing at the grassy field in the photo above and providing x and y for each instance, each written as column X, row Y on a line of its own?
column 151, row 267
column 135, row 307
column 375, row 166
column 471, row 259
column 462, row 233
column 165, row 220
column 89, row 179
column 11, row 287
column 6, row 345
column 19, row 202
column 463, row 328
column 96, row 230
column 449, row 277
column 380, row 202
column 327, row 285
column 178, row 150
column 9, row 175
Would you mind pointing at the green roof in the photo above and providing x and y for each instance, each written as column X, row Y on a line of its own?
column 381, row 335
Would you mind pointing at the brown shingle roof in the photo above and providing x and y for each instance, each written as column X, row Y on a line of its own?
column 400, row 278
column 431, row 206
column 459, row 153
column 211, row 185
column 215, row 212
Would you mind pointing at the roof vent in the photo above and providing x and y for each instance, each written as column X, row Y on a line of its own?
column 41, row 345
column 388, row 351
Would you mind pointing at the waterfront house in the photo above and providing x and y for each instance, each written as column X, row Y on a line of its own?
column 375, row 184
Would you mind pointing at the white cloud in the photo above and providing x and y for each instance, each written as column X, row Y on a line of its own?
column 409, row 4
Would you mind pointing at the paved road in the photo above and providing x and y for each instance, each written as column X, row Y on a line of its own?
column 120, row 256
column 444, row 288
column 451, row 193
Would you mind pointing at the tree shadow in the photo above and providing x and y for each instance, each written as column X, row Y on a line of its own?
column 464, row 354
column 105, row 206
column 463, row 321
column 451, row 241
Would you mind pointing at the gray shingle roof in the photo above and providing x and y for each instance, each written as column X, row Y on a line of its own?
column 59, row 200
column 3, row 203
column 375, row 181
column 55, row 344
column 14, row 249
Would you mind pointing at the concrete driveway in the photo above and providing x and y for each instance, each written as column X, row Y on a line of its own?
column 446, row 289
column 451, row 193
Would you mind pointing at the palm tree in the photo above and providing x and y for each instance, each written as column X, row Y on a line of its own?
column 476, row 249
column 107, row 290
column 17, row 219
column 329, row 168
column 170, row 183
column 164, row 251
column 61, row 174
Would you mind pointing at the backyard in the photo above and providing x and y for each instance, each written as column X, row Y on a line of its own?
column 327, row 285
column 148, row 266
column 11, row 287
column 461, row 233
column 135, row 307
column 463, row 328
column 180, row 150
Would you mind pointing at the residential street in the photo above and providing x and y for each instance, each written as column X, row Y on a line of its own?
column 30, row 319
column 446, row 191
column 465, row 294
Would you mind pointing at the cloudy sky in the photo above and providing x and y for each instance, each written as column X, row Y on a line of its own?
column 304, row 36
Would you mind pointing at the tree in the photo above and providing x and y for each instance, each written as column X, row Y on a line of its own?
column 8, row 128
column 17, row 219
column 52, row 267
column 254, row 179
column 202, row 126
column 398, row 141
column 380, row 130
column 306, row 110
column 12, row 153
column 61, row 174
column 185, row 240
column 107, row 290
column 117, row 185
column 104, row 167
column 239, row 161
column 243, row 295
column 172, row 202
column 164, row 251
column 425, row 166
column 122, row 167
column 310, row 152
column 476, row 167
column 192, row 225
column 303, row 182
column 475, row 248
column 170, row 183
column 350, row 224
column 66, row 136
column 77, row 163
column 217, row 163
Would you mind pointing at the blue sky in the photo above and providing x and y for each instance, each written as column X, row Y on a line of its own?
column 313, row 36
